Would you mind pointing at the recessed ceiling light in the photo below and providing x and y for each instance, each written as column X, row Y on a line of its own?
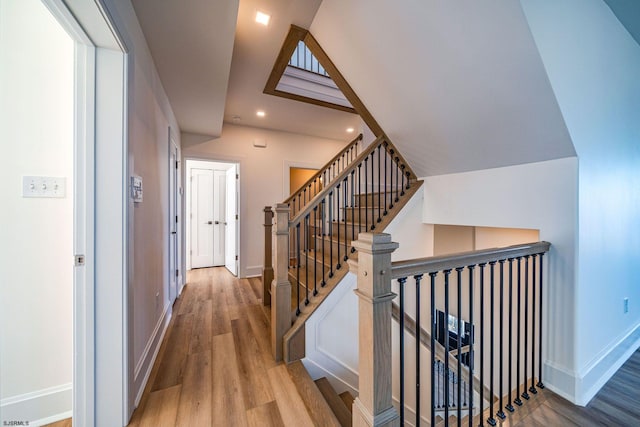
column 262, row 18
column 260, row 113
column 350, row 130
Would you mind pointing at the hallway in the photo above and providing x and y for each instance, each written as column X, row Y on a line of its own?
column 215, row 366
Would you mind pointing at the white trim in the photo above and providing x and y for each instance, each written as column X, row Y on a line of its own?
column 253, row 271
column 150, row 353
column 52, row 419
column 37, row 406
column 598, row 372
column 83, row 194
column 321, row 360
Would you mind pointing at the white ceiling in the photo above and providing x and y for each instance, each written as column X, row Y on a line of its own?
column 457, row 86
column 191, row 44
column 213, row 70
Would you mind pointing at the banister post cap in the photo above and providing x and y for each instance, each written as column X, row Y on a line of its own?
column 375, row 243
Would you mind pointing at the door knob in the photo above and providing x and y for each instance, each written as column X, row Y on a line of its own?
column 217, row 222
column 209, row 222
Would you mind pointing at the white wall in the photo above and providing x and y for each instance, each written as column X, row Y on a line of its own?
column 149, row 118
column 36, row 252
column 540, row 196
column 593, row 64
column 262, row 175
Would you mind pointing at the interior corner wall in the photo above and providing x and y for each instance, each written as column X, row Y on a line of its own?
column 262, row 175
column 36, row 236
column 540, row 196
column 593, row 65
column 149, row 118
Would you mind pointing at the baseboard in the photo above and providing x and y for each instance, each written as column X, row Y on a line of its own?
column 560, row 380
column 145, row 364
column 253, row 271
column 39, row 407
column 596, row 375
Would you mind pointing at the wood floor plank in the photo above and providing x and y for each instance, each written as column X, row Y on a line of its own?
column 228, row 403
column 290, row 404
column 62, row 423
column 172, row 365
column 221, row 323
column 255, row 385
column 256, row 287
column 202, row 328
column 266, row 415
column 196, row 399
column 262, row 332
column 248, row 296
column 161, row 408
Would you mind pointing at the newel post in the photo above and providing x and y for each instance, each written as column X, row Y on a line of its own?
column 280, row 286
column 267, row 270
column 374, row 405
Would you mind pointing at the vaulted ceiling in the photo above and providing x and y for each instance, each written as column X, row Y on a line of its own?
column 214, row 61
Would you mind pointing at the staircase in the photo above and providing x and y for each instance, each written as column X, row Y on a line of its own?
column 324, row 406
column 360, row 190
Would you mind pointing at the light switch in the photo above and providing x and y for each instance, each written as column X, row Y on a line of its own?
column 44, row 186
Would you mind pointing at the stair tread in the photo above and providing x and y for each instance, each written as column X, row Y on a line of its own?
column 335, row 402
column 348, row 399
column 314, row 401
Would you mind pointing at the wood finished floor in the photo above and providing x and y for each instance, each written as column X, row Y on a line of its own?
column 215, row 368
column 62, row 423
column 617, row 404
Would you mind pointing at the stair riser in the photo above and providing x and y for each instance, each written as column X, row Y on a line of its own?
column 334, row 230
column 364, row 215
column 372, row 199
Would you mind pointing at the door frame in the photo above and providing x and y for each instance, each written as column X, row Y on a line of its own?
column 102, row 370
column 174, row 225
column 287, row 165
column 185, row 178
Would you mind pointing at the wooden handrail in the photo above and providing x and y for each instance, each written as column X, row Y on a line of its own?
column 323, row 169
column 448, row 262
column 340, row 177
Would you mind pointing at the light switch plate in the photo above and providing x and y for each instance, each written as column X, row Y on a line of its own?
column 44, row 187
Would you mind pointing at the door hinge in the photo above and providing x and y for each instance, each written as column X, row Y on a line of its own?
column 176, row 219
column 191, row 252
column 177, row 164
column 236, row 217
column 176, row 273
column 237, row 176
column 78, row 260
column 236, row 257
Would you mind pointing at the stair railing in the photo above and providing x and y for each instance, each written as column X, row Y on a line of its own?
column 299, row 198
column 503, row 337
column 353, row 198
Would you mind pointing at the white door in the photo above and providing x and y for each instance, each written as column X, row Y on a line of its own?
column 219, row 212
column 231, row 246
column 173, row 220
column 201, row 218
